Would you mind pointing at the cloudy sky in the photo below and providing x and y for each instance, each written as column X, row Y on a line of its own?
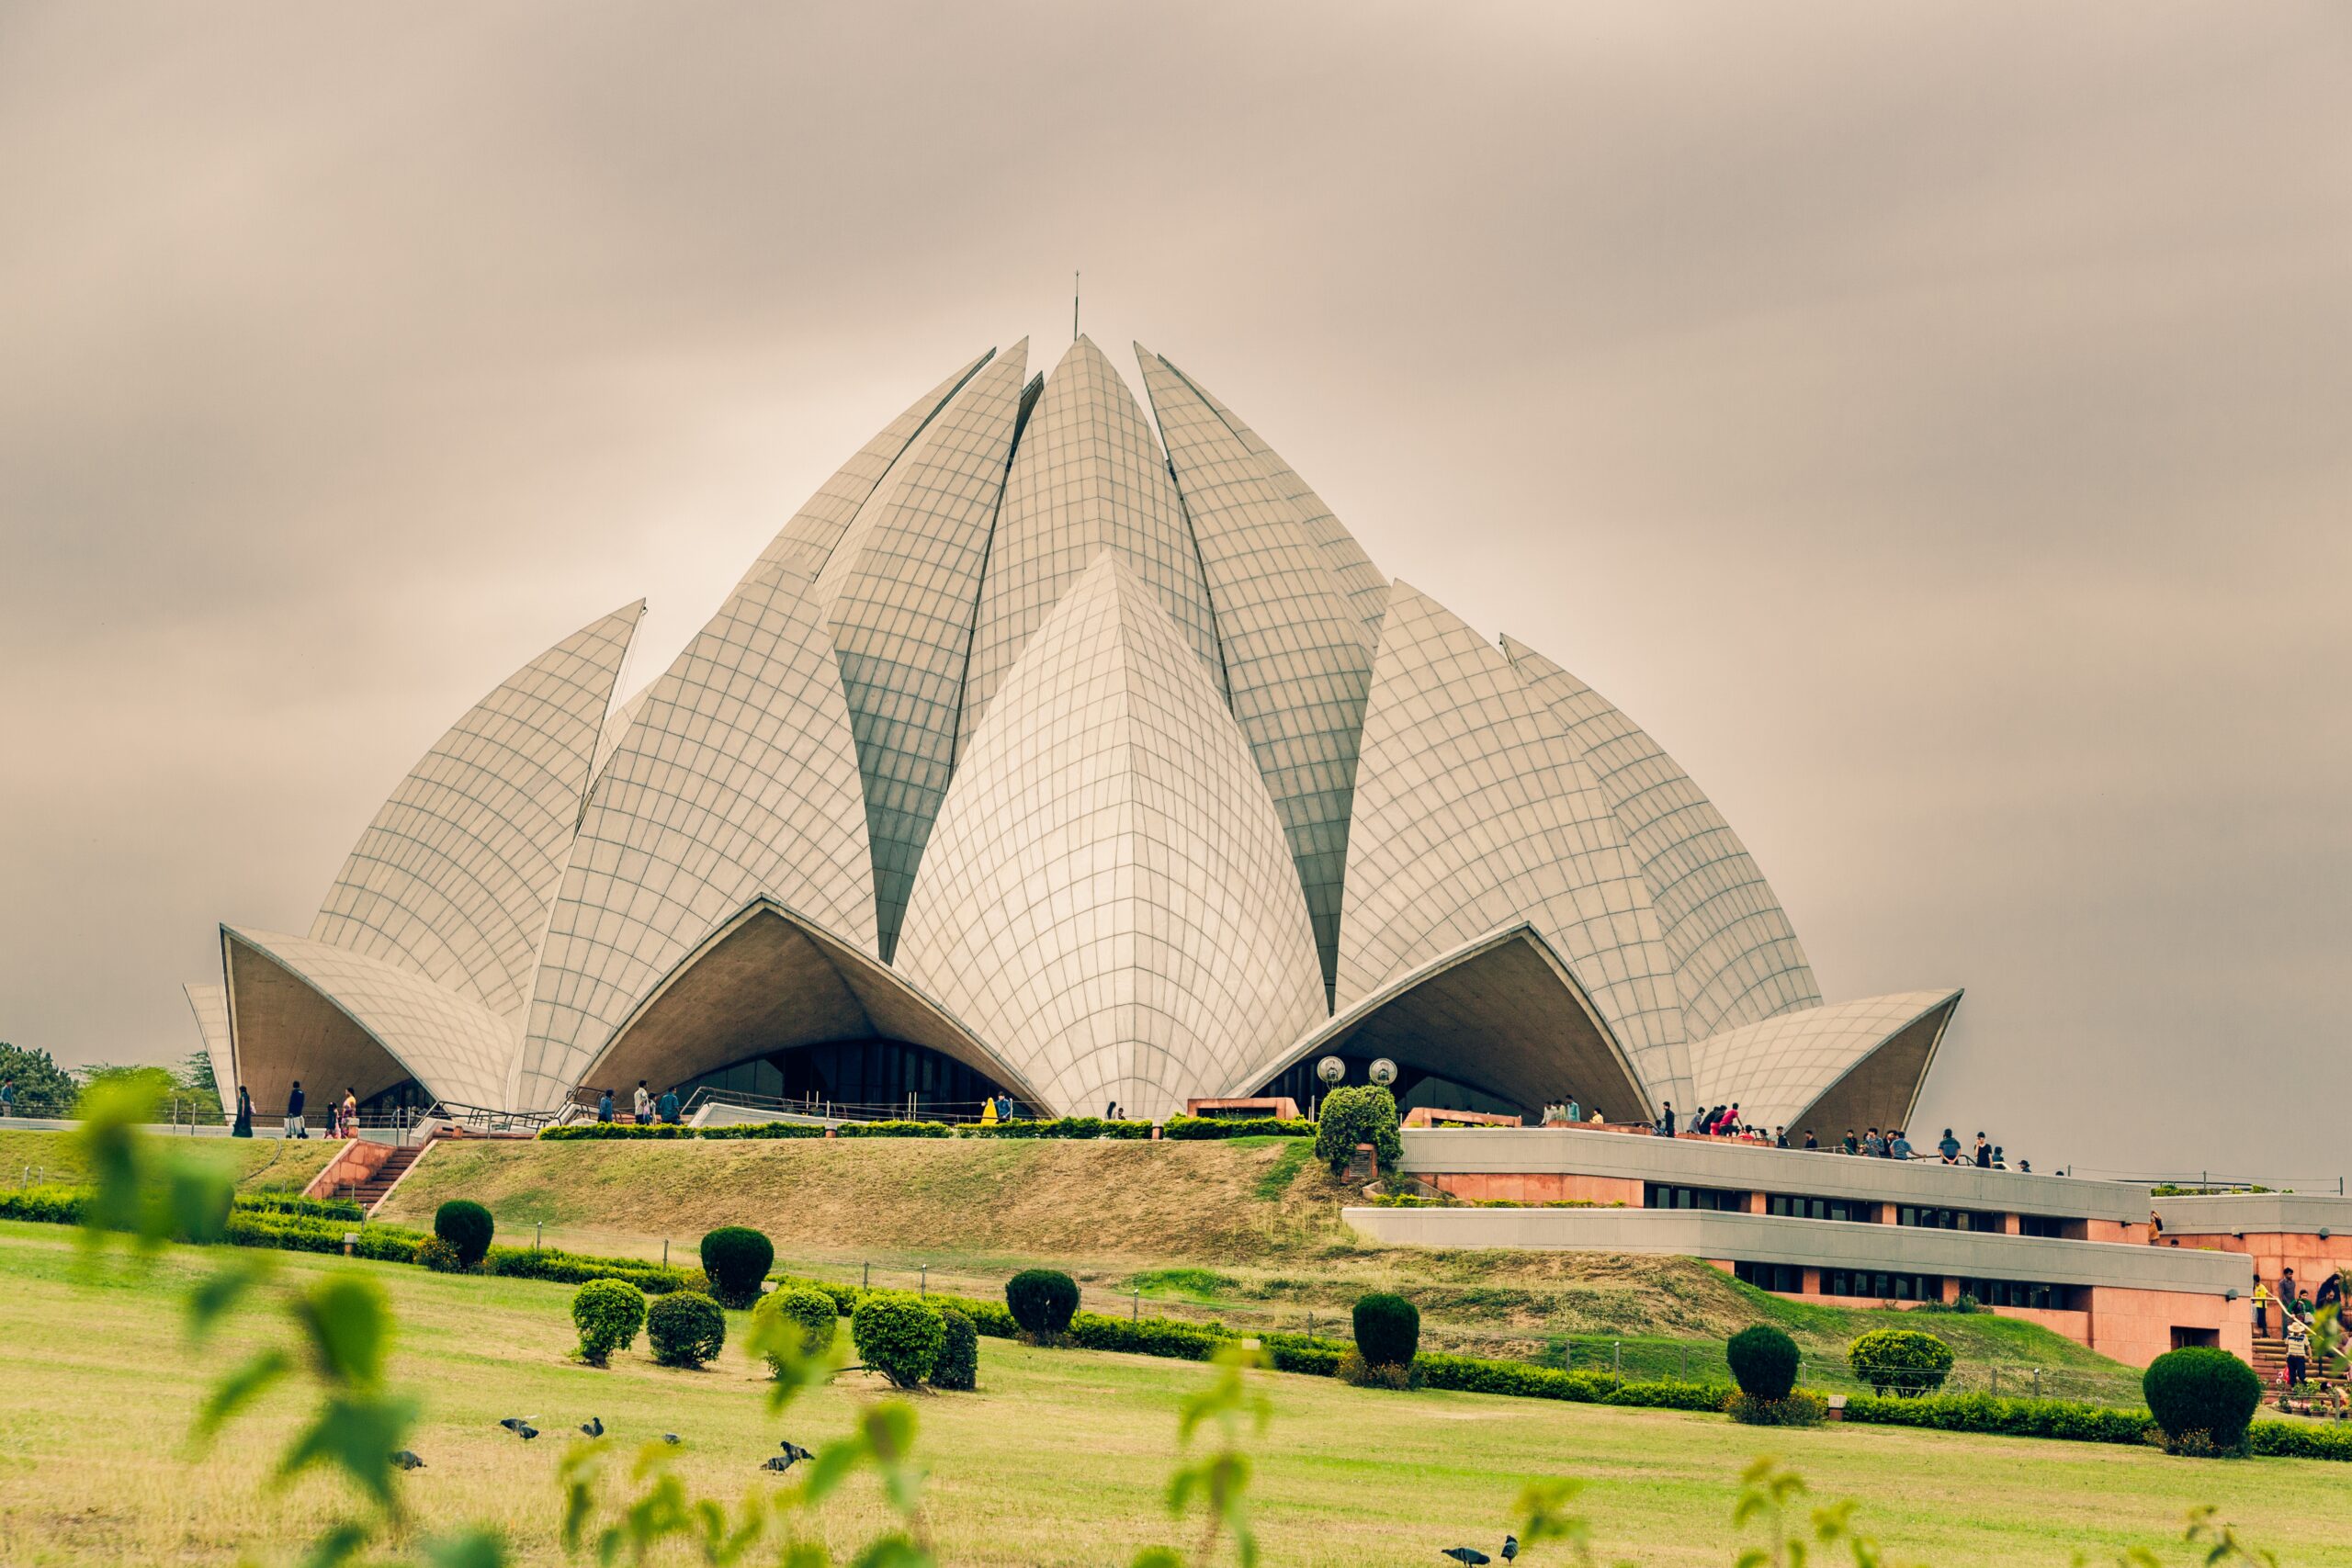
column 1933, row 423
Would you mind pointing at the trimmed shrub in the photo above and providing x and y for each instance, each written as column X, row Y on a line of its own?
column 608, row 1313
column 2203, row 1398
column 1389, row 1329
column 2009, row 1417
column 574, row 1268
column 1184, row 1129
column 737, row 1258
column 1147, row 1336
column 958, row 1366
column 812, row 1315
column 434, row 1254
column 1764, row 1363
column 2296, row 1439
column 1796, row 1409
column 1902, row 1359
column 1703, row 1396
column 1042, row 1302
column 686, row 1329
column 1357, row 1113
column 894, row 1130
column 466, row 1225
column 898, row 1334
column 1354, row 1369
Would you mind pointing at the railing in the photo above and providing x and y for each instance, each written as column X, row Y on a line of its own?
column 914, row 1108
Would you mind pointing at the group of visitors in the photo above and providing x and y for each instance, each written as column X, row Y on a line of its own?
column 2297, row 1312
column 298, row 1122
column 1719, row 1122
column 645, row 1110
column 1567, row 1113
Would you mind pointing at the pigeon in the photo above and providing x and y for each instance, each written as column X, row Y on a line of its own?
column 593, row 1427
column 527, row 1433
column 516, row 1423
column 793, row 1453
column 1468, row 1554
column 779, row 1464
column 671, row 1438
column 1510, row 1548
column 403, row 1459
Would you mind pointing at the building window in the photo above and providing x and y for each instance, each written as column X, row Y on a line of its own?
column 1880, row 1285
column 2037, row 1295
column 1657, row 1195
column 1785, row 1278
column 2041, row 1224
column 1797, row 1207
column 1949, row 1219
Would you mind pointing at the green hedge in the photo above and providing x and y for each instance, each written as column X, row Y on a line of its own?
column 1186, row 1129
column 2293, row 1439
column 1061, row 1127
column 2006, row 1417
column 578, row 1268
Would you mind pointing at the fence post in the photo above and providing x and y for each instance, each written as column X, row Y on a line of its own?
column 1686, row 1365
column 865, row 1281
column 923, row 1279
column 1996, row 1380
column 1135, row 1307
column 538, row 1230
column 1617, row 1360
column 666, row 1252
column 2036, row 1383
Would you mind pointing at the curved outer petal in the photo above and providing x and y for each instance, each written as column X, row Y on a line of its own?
column 769, row 981
column 1108, row 899
column 1736, row 959
column 210, row 1004
column 452, row 878
column 1295, row 654
column 1366, row 589
column 1502, row 1014
column 807, row 542
column 305, row 1010
column 898, row 596
column 739, row 778
column 1799, row 1064
column 1472, row 811
column 1089, row 476
column 615, row 727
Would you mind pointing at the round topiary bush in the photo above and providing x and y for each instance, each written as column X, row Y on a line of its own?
column 1763, row 1360
column 685, row 1329
column 958, row 1366
column 737, row 1258
column 608, row 1313
column 2203, row 1397
column 1042, row 1302
column 1908, row 1362
column 810, row 1316
column 1389, row 1330
column 899, row 1336
column 1359, row 1113
column 466, row 1225
column 439, row 1256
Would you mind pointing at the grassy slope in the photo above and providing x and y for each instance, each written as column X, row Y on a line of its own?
column 1247, row 1231
column 1060, row 1459
column 259, row 1163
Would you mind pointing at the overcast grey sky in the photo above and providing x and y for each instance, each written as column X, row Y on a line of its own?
column 1934, row 423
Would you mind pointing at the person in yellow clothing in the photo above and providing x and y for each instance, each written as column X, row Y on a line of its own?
column 988, row 1111
column 2261, row 1309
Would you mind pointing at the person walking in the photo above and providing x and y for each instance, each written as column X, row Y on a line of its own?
column 669, row 1108
column 604, row 1106
column 642, row 1107
column 346, row 1121
column 2330, row 1292
column 2299, row 1349
column 2261, row 1309
column 1948, row 1146
column 1666, row 1121
column 244, row 1127
column 7, row 1096
column 295, row 1126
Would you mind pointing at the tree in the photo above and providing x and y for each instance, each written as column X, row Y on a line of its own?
column 42, row 1087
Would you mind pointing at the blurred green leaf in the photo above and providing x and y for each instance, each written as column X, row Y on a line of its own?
column 355, row 1434
column 339, row 1543
column 239, row 1389
column 475, row 1549
column 215, row 1295
column 348, row 1322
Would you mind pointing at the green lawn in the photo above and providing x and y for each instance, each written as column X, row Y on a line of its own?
column 1060, row 1459
column 30, row 1156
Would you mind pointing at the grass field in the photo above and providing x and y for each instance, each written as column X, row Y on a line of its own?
column 1247, row 1231
column 1060, row 1459
column 257, row 1164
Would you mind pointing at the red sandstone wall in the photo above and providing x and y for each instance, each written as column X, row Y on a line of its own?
column 2312, row 1257
column 1539, row 1187
column 2135, row 1326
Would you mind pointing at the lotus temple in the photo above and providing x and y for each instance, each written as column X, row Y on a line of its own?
column 1062, row 751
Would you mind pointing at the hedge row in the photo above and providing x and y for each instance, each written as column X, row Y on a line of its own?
column 2079, row 1423
column 309, row 1226
column 1190, row 1128
column 1061, row 1127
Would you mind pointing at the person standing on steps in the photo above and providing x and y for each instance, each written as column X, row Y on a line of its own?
column 295, row 1126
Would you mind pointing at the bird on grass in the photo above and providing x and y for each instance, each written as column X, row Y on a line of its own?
column 1510, row 1548
column 593, row 1427
column 403, row 1459
column 1470, row 1555
column 671, row 1438
column 516, row 1423
column 793, row 1454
